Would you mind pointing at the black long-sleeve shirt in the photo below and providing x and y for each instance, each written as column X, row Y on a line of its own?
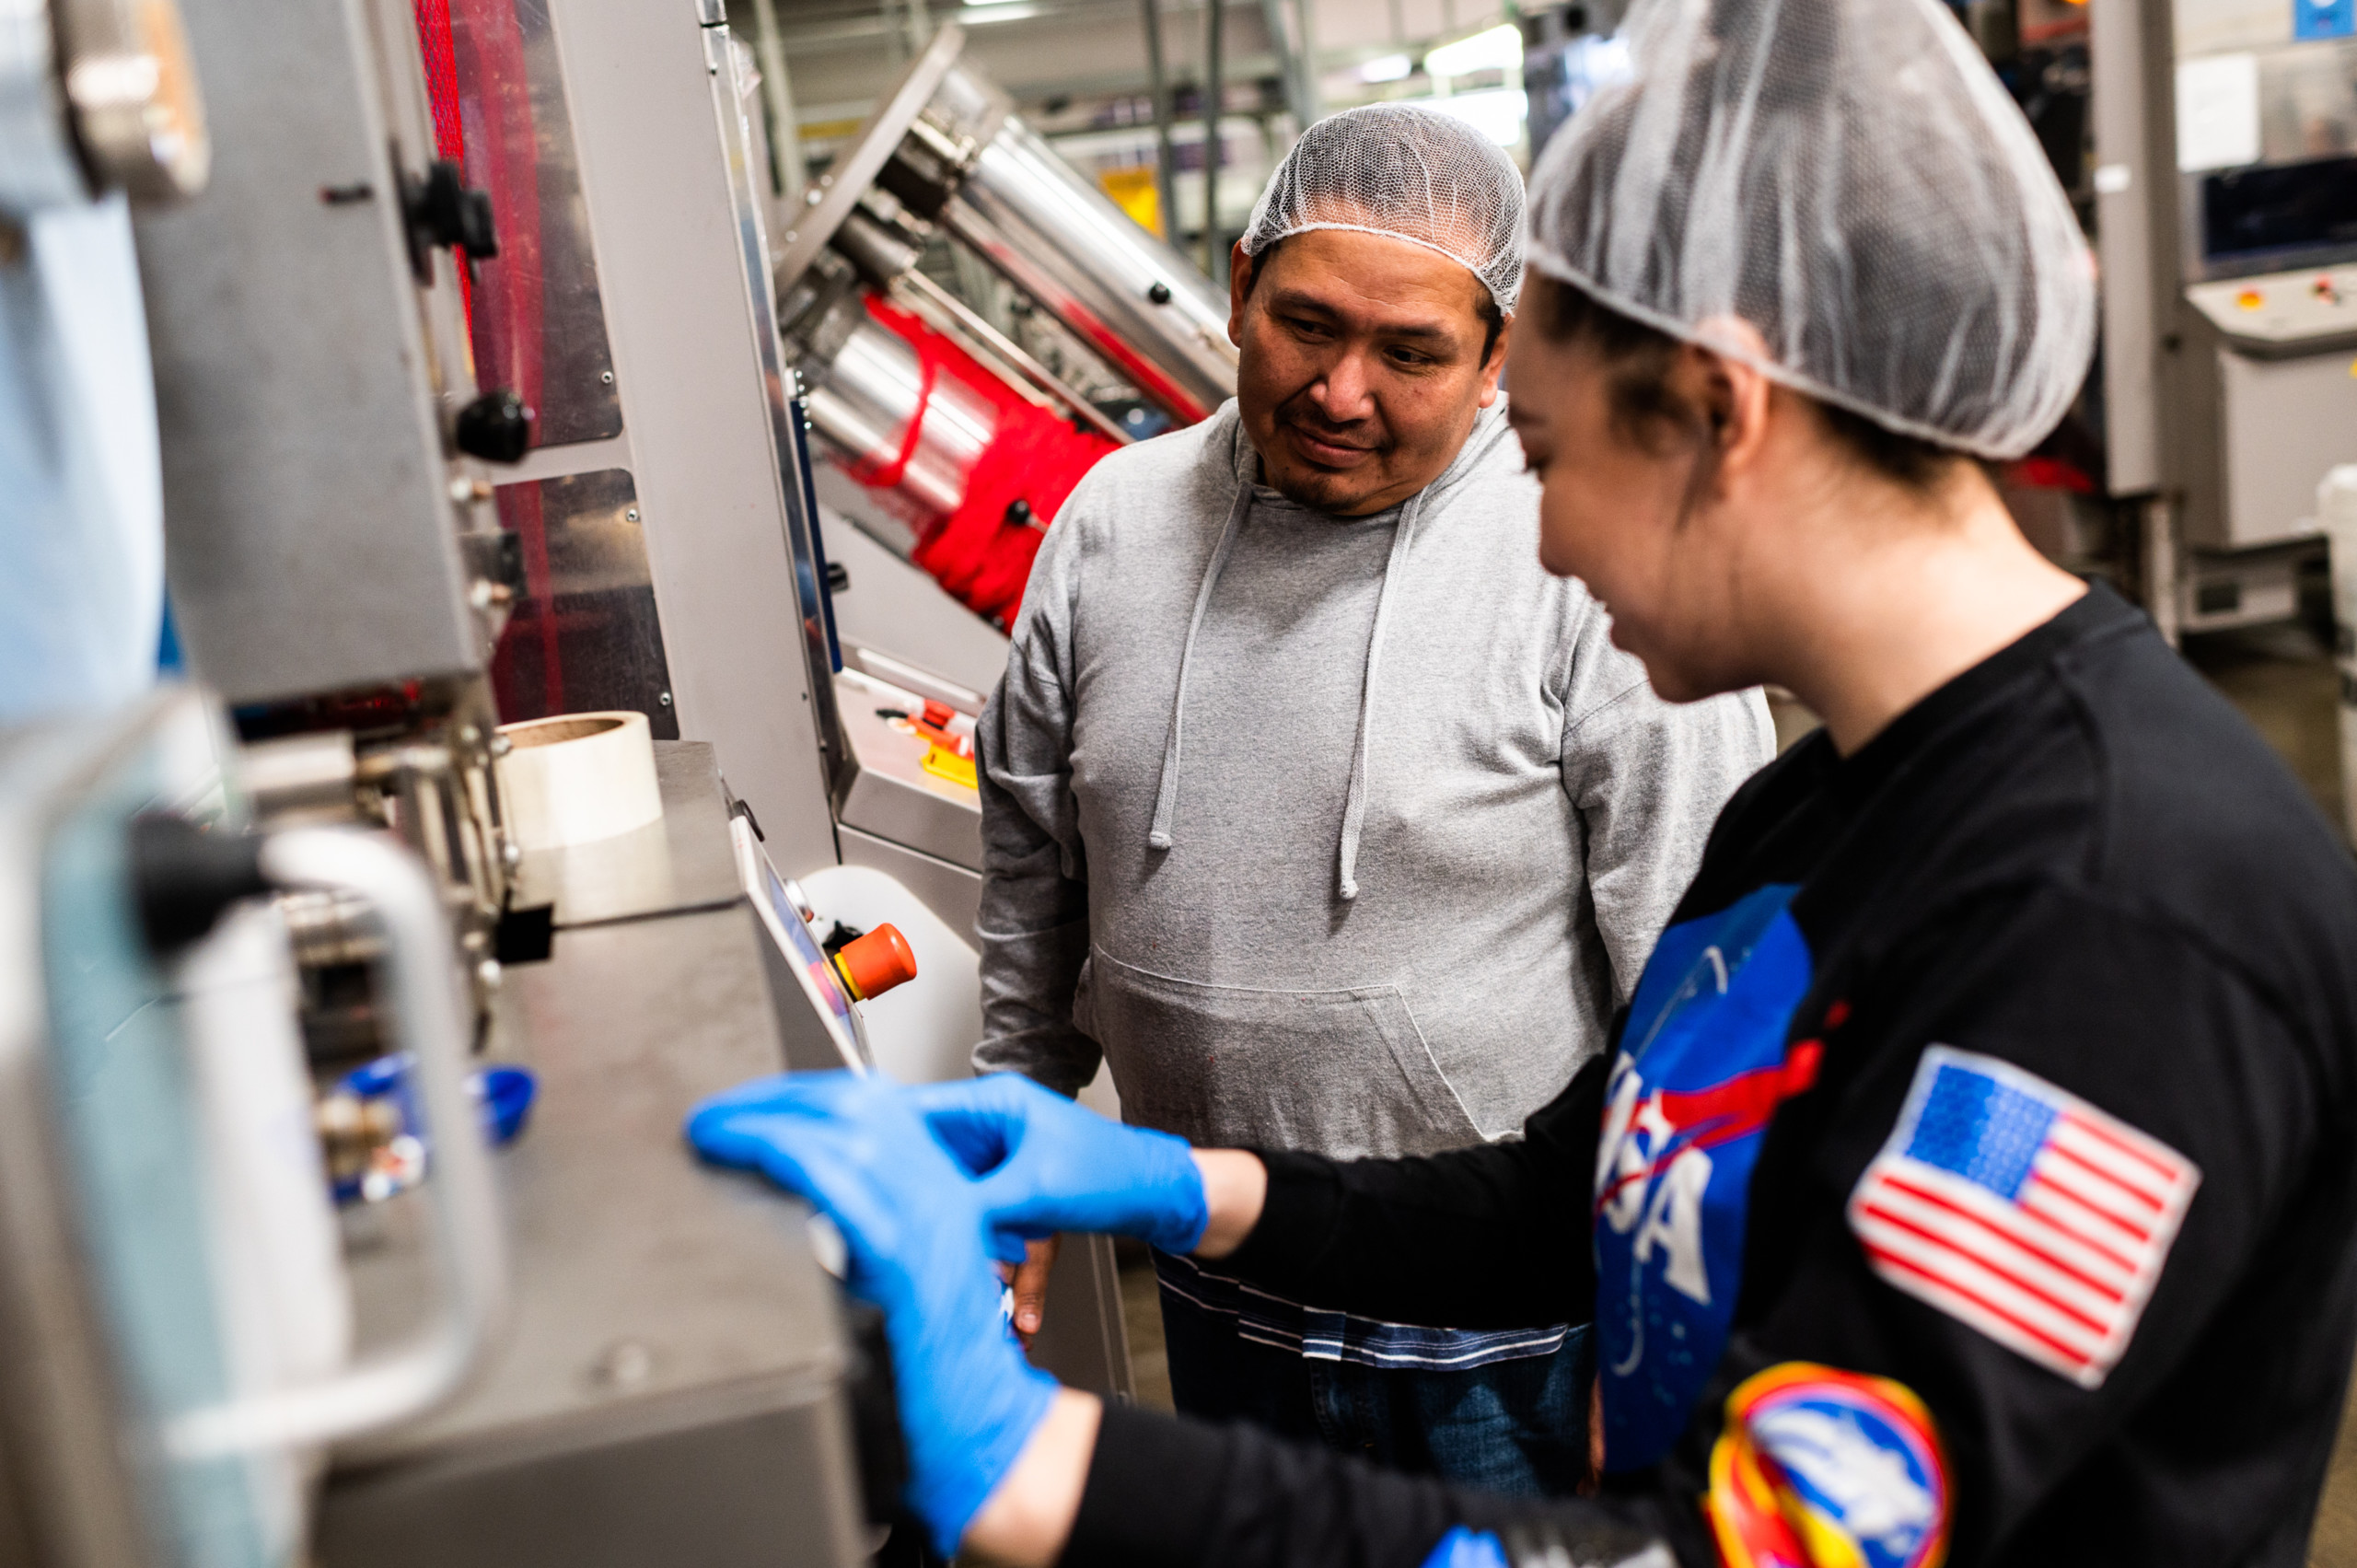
column 1976, row 1166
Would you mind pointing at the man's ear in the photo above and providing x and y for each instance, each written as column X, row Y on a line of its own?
column 1495, row 366
column 1239, row 286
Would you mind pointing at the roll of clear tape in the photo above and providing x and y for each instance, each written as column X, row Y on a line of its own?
column 576, row 778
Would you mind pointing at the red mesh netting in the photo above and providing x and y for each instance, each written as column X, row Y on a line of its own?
column 1035, row 458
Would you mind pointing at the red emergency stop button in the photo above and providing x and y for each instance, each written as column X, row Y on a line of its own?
column 873, row 964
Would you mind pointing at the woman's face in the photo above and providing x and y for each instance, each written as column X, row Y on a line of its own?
column 1628, row 517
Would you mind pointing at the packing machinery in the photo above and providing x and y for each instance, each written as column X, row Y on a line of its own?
column 2225, row 172
column 488, row 394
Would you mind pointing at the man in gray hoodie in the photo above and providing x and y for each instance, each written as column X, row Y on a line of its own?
column 1316, row 808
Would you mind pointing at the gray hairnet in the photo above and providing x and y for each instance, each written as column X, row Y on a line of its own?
column 1411, row 173
column 1849, row 178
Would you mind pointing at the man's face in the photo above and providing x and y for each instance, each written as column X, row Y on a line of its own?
column 1360, row 366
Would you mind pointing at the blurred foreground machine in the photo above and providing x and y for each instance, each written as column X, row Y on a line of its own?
column 2225, row 182
column 674, row 1374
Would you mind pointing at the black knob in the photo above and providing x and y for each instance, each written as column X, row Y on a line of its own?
column 838, row 578
column 454, row 215
column 441, row 210
column 183, row 876
column 1159, row 292
column 1018, row 514
column 507, row 563
column 496, row 427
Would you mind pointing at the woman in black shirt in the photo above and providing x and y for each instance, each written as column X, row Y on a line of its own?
column 1974, row 1177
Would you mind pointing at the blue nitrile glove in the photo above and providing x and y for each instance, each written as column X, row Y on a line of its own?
column 1047, row 1164
column 913, row 1225
column 1461, row 1548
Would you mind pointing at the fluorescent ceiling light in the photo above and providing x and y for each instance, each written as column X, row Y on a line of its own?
column 997, row 11
column 1497, row 113
column 1387, row 68
column 1499, row 49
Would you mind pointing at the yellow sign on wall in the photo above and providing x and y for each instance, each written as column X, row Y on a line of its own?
column 1138, row 192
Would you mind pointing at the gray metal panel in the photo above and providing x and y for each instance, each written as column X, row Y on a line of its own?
column 309, row 531
column 953, row 892
column 670, row 1387
column 2128, row 182
column 2287, row 423
column 891, row 795
column 670, row 260
column 682, row 862
column 896, row 608
column 1082, row 1339
column 711, row 1493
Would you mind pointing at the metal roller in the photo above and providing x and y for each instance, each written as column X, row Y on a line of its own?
column 1121, row 291
column 945, row 148
column 874, row 387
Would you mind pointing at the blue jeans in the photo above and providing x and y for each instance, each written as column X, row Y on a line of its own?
column 1513, row 1426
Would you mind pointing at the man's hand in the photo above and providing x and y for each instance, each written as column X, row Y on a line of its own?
column 1031, row 1286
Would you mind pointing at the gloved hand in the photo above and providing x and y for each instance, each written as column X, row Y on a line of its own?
column 1048, row 1164
column 1461, row 1548
column 912, row 1222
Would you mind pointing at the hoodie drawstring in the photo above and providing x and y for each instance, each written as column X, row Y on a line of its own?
column 1165, row 804
column 1354, row 803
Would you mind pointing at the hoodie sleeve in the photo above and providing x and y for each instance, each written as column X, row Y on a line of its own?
column 1648, row 779
column 1034, row 920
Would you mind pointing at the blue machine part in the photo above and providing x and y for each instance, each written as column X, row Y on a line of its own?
column 503, row 1096
column 82, row 602
column 2323, row 18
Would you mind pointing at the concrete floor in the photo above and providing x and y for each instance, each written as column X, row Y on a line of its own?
column 2284, row 682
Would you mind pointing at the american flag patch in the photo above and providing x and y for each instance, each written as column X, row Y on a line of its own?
column 2022, row 1210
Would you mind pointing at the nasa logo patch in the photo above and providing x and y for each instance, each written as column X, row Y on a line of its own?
column 1702, row 1067
column 1818, row 1467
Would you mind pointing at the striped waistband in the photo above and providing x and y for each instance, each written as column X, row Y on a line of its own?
column 1319, row 1334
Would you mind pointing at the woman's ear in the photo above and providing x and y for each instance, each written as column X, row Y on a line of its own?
column 1735, row 395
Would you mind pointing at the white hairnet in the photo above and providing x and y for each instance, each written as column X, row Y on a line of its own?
column 1849, row 178
column 1411, row 173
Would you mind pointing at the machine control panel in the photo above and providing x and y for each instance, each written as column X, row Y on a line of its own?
column 2280, row 313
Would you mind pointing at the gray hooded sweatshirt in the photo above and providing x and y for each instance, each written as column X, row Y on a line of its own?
column 1337, row 834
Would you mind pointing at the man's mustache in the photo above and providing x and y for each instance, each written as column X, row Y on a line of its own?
column 1364, row 434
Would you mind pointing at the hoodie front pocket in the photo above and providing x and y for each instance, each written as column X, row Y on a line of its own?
column 1341, row 1073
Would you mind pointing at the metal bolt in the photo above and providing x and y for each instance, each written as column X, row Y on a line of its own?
column 630, row 516
column 488, row 972
column 511, row 854
column 625, row 1364
column 479, row 595
column 500, row 746
column 606, row 377
column 468, row 735
column 665, row 698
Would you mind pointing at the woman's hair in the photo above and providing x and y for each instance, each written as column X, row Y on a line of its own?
column 1638, row 357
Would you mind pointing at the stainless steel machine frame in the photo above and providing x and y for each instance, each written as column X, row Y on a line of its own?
column 707, row 440
column 332, row 556
column 2227, row 385
column 676, row 1385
